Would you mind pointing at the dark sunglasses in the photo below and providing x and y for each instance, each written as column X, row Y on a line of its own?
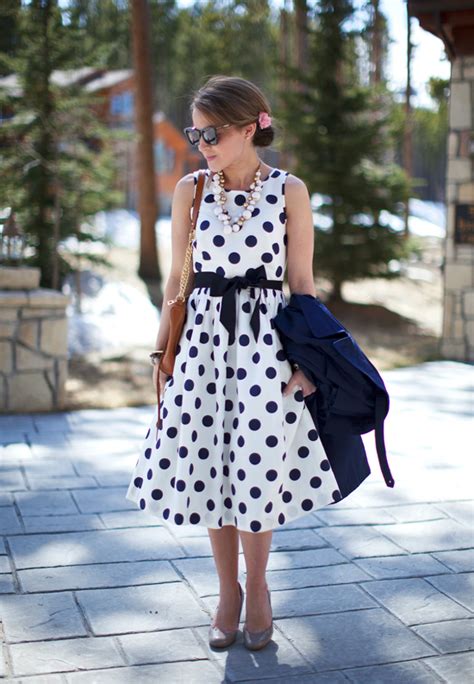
column 209, row 134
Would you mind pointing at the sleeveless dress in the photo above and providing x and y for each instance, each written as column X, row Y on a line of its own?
column 231, row 449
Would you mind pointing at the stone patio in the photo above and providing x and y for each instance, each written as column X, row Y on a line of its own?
column 377, row 588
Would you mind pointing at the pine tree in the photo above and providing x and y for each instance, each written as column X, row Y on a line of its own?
column 337, row 134
column 8, row 19
column 57, row 164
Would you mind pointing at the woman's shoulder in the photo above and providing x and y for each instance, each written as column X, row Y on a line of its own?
column 195, row 174
column 296, row 192
column 294, row 183
column 185, row 187
column 184, row 190
column 291, row 179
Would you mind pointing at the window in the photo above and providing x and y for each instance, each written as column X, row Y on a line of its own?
column 121, row 104
column 164, row 157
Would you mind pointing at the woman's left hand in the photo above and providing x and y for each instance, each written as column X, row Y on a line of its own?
column 299, row 379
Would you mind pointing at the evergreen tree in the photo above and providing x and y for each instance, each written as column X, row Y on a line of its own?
column 376, row 36
column 8, row 35
column 337, row 134
column 430, row 131
column 104, row 26
column 57, row 164
column 236, row 38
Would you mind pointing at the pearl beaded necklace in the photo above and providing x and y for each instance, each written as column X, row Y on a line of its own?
column 222, row 213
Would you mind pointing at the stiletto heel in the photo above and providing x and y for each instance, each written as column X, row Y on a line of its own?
column 225, row 637
column 257, row 640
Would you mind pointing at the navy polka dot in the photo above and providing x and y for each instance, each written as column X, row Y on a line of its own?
column 218, row 240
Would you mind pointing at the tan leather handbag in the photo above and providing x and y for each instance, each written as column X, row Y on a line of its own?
column 178, row 305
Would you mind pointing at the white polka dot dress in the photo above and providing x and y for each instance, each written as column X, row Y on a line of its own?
column 231, row 449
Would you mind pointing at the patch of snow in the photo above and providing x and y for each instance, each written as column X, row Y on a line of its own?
column 427, row 219
column 122, row 226
column 114, row 318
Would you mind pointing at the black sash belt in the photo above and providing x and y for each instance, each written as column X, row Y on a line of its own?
column 226, row 287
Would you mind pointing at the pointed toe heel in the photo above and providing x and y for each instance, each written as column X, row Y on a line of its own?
column 220, row 638
column 254, row 641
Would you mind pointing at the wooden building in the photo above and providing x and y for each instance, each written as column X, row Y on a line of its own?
column 174, row 156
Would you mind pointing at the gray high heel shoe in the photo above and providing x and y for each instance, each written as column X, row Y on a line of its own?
column 257, row 640
column 225, row 637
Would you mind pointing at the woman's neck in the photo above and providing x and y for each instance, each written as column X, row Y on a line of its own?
column 241, row 179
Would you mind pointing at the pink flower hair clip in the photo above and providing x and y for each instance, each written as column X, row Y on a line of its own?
column 264, row 120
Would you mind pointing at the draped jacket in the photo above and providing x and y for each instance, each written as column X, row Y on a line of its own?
column 351, row 398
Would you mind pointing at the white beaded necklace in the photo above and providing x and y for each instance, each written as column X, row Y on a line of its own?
column 222, row 213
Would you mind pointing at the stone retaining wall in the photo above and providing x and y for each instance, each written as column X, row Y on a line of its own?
column 33, row 343
column 458, row 310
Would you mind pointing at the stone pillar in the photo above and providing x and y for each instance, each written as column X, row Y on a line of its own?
column 458, row 312
column 33, row 343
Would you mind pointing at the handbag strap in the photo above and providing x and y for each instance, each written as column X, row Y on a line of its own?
column 185, row 272
column 183, row 283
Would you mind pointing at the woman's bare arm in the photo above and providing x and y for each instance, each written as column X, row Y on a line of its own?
column 300, row 232
column 300, row 248
column 180, row 227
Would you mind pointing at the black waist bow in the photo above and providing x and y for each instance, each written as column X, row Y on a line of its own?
column 227, row 287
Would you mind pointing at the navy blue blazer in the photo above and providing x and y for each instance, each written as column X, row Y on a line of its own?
column 351, row 397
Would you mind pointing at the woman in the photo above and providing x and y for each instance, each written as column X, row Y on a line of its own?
column 237, row 450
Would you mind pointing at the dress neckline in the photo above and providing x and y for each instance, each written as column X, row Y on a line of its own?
column 264, row 180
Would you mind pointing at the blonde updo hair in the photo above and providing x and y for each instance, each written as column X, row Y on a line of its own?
column 231, row 99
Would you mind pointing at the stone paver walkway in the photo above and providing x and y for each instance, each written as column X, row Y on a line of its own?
column 378, row 588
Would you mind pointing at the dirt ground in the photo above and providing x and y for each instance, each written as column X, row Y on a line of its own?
column 395, row 322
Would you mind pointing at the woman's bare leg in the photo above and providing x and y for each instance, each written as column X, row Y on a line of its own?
column 225, row 548
column 256, row 547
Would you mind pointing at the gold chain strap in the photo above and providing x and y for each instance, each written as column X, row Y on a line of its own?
column 183, row 282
